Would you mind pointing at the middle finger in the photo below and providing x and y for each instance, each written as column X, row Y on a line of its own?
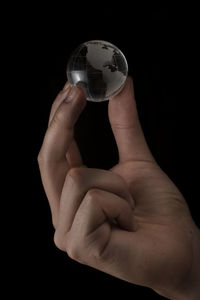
column 77, row 184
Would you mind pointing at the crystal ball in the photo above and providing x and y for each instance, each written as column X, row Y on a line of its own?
column 100, row 68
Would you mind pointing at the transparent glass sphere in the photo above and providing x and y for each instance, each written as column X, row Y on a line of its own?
column 100, row 68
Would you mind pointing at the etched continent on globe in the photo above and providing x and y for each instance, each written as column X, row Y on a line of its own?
column 99, row 67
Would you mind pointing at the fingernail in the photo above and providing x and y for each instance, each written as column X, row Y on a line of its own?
column 73, row 93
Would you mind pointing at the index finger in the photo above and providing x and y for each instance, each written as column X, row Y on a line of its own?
column 52, row 157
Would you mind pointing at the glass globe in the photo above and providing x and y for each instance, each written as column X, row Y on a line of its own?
column 100, row 68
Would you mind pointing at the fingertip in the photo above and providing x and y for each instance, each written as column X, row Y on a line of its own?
column 76, row 94
column 69, row 110
column 82, row 96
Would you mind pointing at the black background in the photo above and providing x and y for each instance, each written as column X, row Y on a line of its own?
column 159, row 44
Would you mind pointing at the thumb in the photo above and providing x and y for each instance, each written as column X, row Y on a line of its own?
column 126, row 126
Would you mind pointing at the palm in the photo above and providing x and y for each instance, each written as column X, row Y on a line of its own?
column 154, row 193
column 162, row 218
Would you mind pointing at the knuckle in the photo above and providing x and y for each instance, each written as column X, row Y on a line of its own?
column 90, row 201
column 75, row 247
column 76, row 174
column 40, row 157
column 92, row 194
column 59, row 242
column 73, row 251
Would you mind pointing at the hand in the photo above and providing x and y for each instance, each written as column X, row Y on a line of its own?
column 131, row 221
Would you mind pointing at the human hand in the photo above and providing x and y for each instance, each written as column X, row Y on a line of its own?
column 131, row 221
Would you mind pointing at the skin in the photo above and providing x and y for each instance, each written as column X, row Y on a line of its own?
column 130, row 221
